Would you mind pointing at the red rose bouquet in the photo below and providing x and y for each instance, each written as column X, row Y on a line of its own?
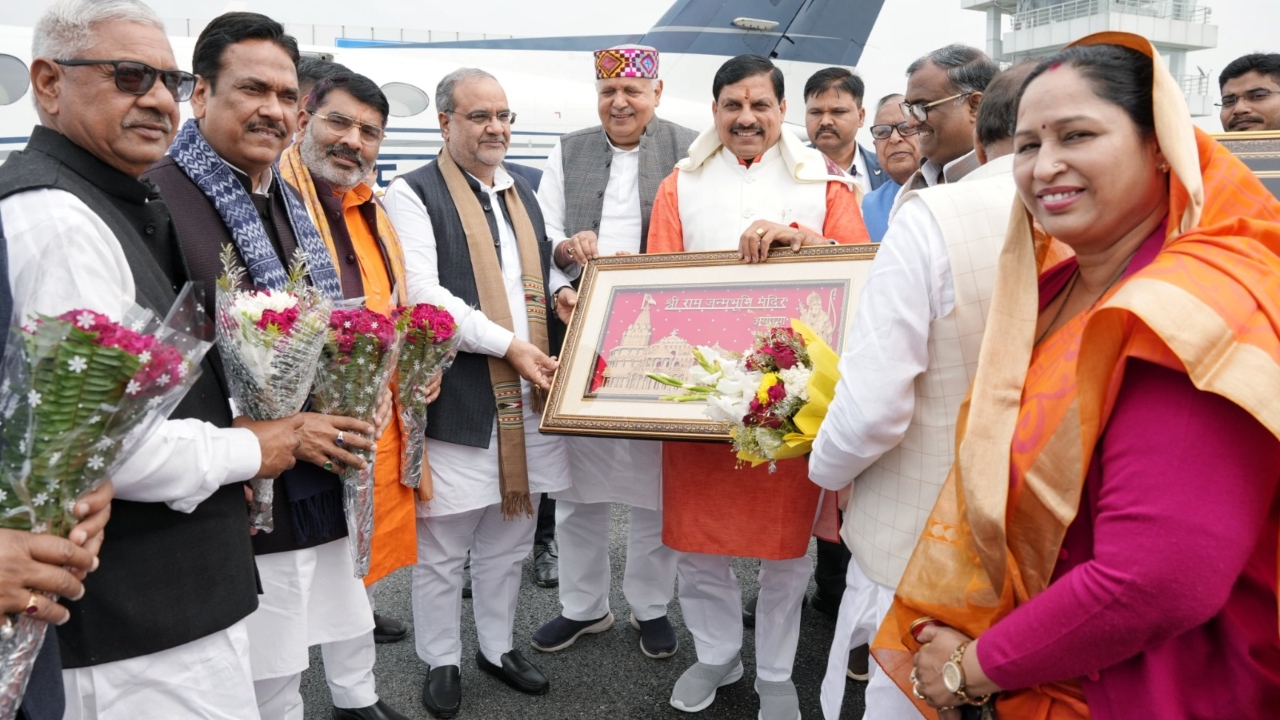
column 430, row 344
column 79, row 393
column 356, row 365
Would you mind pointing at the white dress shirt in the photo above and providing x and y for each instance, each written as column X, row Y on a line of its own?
column 909, row 287
column 62, row 257
column 861, row 175
column 464, row 477
column 606, row 469
column 620, row 221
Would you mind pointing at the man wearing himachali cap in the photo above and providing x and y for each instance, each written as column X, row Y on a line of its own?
column 747, row 184
column 598, row 190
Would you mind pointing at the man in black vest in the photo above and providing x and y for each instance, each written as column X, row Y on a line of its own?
column 160, row 631
column 600, row 186
column 220, row 177
column 474, row 242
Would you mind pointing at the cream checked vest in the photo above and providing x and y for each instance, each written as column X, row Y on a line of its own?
column 891, row 500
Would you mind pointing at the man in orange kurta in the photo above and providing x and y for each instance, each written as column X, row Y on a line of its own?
column 747, row 184
column 366, row 251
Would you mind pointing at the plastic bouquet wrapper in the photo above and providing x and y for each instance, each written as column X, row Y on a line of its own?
column 270, row 342
column 772, row 398
column 356, row 364
column 79, row 393
column 430, row 345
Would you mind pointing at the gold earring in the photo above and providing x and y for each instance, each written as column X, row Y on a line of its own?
column 1164, row 167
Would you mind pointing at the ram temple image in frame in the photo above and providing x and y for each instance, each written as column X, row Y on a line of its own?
column 655, row 329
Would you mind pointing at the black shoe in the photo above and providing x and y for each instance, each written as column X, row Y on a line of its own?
column 466, row 578
column 560, row 632
column 859, row 663
column 749, row 613
column 546, row 565
column 825, row 605
column 516, row 672
column 442, row 692
column 388, row 630
column 657, row 637
column 376, row 711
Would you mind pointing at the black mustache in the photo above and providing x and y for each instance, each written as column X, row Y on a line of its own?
column 1236, row 120
column 275, row 127
column 746, row 128
column 828, row 129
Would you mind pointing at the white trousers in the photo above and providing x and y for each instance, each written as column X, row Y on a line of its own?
column 348, row 669
column 711, row 601
column 206, row 679
column 863, row 607
column 498, row 549
column 648, row 581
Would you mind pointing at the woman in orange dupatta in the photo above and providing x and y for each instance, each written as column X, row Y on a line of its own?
column 1106, row 543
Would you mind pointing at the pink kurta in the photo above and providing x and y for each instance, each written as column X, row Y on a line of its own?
column 1163, row 601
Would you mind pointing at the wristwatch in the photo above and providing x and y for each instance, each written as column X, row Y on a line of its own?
column 953, row 677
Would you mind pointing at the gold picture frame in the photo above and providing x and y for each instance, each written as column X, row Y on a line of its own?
column 642, row 313
column 1260, row 151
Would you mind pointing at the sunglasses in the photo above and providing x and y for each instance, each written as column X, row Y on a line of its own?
column 138, row 78
column 882, row 132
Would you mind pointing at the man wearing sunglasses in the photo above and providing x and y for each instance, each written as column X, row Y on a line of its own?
column 898, row 149
column 219, row 177
column 944, row 89
column 1250, row 87
column 908, row 362
column 160, row 630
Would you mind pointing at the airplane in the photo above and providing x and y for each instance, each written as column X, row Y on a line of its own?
column 549, row 81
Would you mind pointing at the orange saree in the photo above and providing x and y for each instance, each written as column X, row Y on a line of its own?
column 1208, row 305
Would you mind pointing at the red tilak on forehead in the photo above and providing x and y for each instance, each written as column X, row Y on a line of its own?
column 1055, row 66
column 747, row 91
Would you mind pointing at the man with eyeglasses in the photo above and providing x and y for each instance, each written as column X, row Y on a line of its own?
column 833, row 114
column 160, row 630
column 1250, row 87
column 219, row 177
column 911, row 354
column 944, row 90
column 475, row 242
column 898, row 149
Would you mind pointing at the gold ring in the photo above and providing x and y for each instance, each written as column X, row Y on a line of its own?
column 328, row 465
column 33, row 604
column 915, row 690
column 760, row 232
column 569, row 251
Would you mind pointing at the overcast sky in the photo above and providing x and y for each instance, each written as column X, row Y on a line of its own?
column 905, row 30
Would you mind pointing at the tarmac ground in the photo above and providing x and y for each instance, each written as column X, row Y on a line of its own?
column 600, row 677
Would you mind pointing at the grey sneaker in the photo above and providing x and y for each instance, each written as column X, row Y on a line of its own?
column 696, row 688
column 778, row 700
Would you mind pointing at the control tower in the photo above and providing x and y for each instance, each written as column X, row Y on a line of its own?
column 1042, row 27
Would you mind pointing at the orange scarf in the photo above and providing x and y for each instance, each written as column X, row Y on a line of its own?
column 1208, row 304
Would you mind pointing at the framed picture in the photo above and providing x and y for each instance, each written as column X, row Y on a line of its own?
column 638, row 314
column 1260, row 151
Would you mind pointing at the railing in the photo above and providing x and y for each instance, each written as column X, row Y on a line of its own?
column 1034, row 13
column 329, row 34
column 1194, row 84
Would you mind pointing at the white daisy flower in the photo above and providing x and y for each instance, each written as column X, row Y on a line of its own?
column 145, row 357
column 33, row 398
column 96, row 462
column 40, row 499
column 84, row 320
column 77, row 364
column 133, row 388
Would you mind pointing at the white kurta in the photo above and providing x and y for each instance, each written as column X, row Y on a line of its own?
column 913, row 353
column 606, row 469
column 63, row 257
column 466, row 478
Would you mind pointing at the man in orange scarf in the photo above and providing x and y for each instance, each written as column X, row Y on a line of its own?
column 341, row 131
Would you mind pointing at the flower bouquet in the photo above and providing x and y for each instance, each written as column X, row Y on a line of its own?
column 430, row 344
column 79, row 393
column 356, row 365
column 773, row 397
column 269, row 341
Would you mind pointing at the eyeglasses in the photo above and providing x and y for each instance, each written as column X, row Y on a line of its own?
column 137, row 78
column 882, row 132
column 480, row 117
column 1255, row 95
column 920, row 111
column 341, row 124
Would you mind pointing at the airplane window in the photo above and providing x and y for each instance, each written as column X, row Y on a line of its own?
column 405, row 99
column 13, row 79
